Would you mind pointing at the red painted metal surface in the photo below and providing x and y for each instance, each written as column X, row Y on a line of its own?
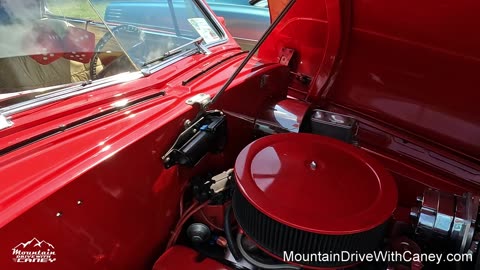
column 105, row 179
column 406, row 69
column 344, row 184
column 316, row 35
column 415, row 165
column 211, row 215
column 184, row 258
column 414, row 66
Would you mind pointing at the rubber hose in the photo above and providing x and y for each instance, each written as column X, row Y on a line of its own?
column 228, row 234
column 261, row 265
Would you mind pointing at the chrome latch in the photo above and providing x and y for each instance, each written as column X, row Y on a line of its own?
column 286, row 55
column 5, row 122
column 202, row 100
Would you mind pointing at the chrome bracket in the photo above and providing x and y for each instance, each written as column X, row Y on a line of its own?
column 202, row 100
column 5, row 122
column 203, row 49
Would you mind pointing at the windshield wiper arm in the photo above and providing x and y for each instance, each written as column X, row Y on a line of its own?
column 197, row 42
column 161, row 58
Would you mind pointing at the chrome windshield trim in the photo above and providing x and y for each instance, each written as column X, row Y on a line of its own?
column 212, row 17
column 81, row 88
column 68, row 92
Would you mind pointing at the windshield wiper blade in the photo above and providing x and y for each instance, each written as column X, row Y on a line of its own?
column 197, row 42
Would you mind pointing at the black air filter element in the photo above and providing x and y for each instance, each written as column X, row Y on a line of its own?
column 277, row 238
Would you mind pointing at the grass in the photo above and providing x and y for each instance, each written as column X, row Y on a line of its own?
column 78, row 8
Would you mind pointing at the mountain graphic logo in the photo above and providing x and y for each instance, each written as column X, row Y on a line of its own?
column 35, row 242
column 34, row 251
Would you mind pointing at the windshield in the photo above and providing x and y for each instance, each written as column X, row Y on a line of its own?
column 49, row 43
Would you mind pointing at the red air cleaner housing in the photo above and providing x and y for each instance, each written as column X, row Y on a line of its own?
column 305, row 193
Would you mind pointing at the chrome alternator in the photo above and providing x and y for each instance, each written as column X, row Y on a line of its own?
column 449, row 217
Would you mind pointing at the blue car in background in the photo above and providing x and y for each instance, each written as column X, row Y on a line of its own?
column 246, row 22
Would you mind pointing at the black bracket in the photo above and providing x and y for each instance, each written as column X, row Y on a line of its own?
column 207, row 134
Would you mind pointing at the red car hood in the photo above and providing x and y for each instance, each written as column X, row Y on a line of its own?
column 412, row 75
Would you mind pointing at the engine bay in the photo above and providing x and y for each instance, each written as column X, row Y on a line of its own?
column 356, row 152
column 311, row 200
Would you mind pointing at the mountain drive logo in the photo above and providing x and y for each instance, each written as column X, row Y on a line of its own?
column 34, row 251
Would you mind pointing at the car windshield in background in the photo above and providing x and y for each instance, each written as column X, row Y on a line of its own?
column 246, row 22
column 51, row 43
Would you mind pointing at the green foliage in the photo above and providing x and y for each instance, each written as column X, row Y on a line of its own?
column 78, row 8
